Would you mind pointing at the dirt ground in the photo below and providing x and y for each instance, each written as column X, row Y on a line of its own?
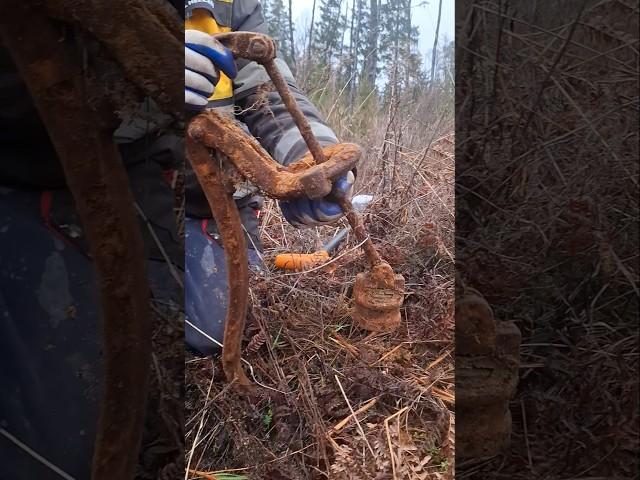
column 314, row 366
column 547, row 224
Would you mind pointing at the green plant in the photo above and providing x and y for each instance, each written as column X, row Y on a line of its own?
column 278, row 342
column 267, row 418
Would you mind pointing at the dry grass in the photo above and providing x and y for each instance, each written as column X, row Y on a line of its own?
column 338, row 402
column 552, row 160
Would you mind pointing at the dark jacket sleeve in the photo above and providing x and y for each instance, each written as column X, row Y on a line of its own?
column 264, row 113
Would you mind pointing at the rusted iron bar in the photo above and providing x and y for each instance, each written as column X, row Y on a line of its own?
column 355, row 221
column 379, row 292
column 261, row 49
column 218, row 131
column 213, row 130
column 298, row 117
column 225, row 212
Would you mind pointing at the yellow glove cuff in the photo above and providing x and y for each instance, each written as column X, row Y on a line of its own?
column 203, row 21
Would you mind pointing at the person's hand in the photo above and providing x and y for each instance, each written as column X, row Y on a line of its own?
column 204, row 57
column 304, row 212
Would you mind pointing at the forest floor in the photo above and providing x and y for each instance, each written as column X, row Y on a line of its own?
column 550, row 235
column 314, row 367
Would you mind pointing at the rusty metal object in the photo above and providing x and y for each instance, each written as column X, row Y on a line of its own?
column 140, row 35
column 378, row 294
column 220, row 198
column 487, row 365
column 359, row 231
column 262, row 49
column 256, row 47
column 79, row 116
column 212, row 130
column 216, row 130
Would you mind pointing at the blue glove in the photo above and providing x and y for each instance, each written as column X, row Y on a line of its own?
column 304, row 212
column 204, row 56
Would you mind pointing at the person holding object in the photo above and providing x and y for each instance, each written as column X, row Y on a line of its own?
column 214, row 79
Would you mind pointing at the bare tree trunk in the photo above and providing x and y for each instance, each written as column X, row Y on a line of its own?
column 435, row 45
column 335, row 29
column 390, row 131
column 292, row 46
column 407, row 78
column 352, row 56
column 396, row 56
column 357, row 39
column 313, row 16
column 371, row 62
column 344, row 30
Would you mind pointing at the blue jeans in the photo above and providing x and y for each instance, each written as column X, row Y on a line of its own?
column 50, row 361
column 206, row 286
column 51, row 338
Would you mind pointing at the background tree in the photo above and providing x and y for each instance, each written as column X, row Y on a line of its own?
column 292, row 52
column 356, row 56
column 279, row 25
column 435, row 42
column 329, row 37
column 371, row 52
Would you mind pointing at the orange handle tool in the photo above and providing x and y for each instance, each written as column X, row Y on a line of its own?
column 301, row 261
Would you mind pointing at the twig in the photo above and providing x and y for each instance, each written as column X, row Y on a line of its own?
column 386, row 427
column 353, row 414
column 543, row 84
column 200, row 427
column 437, row 360
column 35, row 455
column 389, row 353
column 342, row 423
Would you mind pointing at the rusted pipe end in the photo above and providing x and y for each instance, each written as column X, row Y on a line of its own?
column 378, row 296
column 249, row 45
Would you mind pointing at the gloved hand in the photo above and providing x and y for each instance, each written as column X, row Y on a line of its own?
column 304, row 212
column 204, row 57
